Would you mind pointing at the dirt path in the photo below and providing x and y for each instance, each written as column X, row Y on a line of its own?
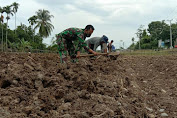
column 37, row 85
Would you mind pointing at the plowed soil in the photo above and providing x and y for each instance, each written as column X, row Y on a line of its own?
column 38, row 86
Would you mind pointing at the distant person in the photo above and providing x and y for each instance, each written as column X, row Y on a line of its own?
column 113, row 48
column 110, row 46
column 72, row 41
column 94, row 42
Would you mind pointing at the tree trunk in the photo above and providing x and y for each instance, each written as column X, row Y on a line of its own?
column 33, row 33
column 6, row 34
column 2, row 38
column 15, row 23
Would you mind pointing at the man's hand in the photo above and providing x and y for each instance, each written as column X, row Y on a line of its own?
column 78, row 54
column 95, row 53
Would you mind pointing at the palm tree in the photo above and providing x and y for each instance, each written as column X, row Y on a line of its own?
column 2, row 20
column 8, row 12
column 43, row 23
column 15, row 8
column 32, row 21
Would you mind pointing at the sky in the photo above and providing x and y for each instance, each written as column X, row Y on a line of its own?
column 117, row 19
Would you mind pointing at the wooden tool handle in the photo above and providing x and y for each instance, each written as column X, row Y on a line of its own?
column 88, row 55
column 110, row 54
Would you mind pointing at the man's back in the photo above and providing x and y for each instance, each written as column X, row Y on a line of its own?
column 73, row 33
column 94, row 41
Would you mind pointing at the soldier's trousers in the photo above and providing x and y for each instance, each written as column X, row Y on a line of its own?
column 65, row 48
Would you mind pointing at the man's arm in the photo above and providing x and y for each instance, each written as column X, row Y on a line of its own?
column 90, row 50
column 93, row 52
column 78, row 54
column 95, row 47
column 104, row 47
column 84, row 45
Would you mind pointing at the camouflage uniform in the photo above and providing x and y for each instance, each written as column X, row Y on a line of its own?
column 70, row 41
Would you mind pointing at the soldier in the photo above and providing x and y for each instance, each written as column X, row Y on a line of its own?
column 72, row 41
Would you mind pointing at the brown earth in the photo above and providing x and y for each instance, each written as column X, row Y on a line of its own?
column 38, row 86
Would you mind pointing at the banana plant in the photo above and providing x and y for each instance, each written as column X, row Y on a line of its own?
column 24, row 44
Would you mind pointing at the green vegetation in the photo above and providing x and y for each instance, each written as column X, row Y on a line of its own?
column 157, row 30
column 149, row 52
column 43, row 23
column 24, row 38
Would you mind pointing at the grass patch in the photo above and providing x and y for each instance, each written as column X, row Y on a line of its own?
column 150, row 52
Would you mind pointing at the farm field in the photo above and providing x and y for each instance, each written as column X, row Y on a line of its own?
column 38, row 86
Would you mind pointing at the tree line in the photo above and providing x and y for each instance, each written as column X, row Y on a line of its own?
column 23, row 36
column 157, row 30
